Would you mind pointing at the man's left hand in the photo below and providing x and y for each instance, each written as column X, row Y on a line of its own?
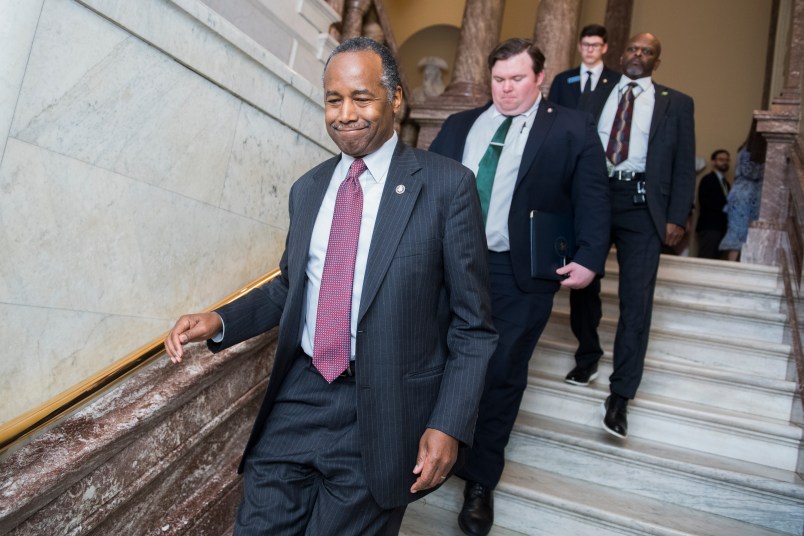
column 673, row 234
column 579, row 276
column 437, row 454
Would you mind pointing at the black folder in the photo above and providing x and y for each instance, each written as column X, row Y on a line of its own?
column 552, row 243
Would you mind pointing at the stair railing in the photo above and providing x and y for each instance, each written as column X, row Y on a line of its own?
column 38, row 418
column 791, row 255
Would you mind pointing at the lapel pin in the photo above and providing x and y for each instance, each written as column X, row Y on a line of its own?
column 549, row 110
column 400, row 189
column 664, row 93
column 605, row 80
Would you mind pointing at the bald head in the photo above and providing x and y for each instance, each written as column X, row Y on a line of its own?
column 641, row 56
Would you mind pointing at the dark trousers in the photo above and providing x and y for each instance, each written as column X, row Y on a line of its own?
column 305, row 475
column 519, row 318
column 709, row 243
column 638, row 250
column 585, row 314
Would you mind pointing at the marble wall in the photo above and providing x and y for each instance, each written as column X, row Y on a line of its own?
column 146, row 153
column 158, row 454
column 289, row 30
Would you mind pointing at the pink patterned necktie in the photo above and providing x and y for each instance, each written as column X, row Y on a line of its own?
column 332, row 347
column 617, row 149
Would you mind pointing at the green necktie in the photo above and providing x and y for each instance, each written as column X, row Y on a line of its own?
column 488, row 166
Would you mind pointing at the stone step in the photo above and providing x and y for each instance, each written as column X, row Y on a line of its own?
column 712, row 273
column 726, row 294
column 703, row 318
column 711, row 350
column 536, row 502
column 747, row 492
column 707, row 281
column 720, row 388
column 422, row 518
column 765, row 441
column 715, row 273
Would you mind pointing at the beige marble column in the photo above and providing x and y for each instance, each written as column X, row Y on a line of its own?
column 556, row 33
column 353, row 18
column 618, row 24
column 480, row 33
column 337, row 5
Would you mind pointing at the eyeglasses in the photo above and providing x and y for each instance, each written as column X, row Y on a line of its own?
column 646, row 51
column 592, row 46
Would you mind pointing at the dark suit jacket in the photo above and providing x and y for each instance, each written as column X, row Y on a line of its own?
column 711, row 201
column 670, row 164
column 562, row 170
column 424, row 333
column 566, row 88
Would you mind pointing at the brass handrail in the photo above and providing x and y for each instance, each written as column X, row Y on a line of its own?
column 70, row 399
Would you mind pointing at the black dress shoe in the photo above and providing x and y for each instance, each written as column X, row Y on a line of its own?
column 477, row 514
column 614, row 419
column 582, row 375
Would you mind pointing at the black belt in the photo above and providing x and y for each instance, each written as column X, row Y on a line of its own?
column 348, row 373
column 627, row 176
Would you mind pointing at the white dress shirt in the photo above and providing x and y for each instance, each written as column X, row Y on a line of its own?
column 645, row 98
column 372, row 182
column 722, row 180
column 597, row 70
column 502, row 191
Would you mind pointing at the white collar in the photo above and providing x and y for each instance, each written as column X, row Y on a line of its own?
column 644, row 83
column 529, row 112
column 377, row 162
column 597, row 70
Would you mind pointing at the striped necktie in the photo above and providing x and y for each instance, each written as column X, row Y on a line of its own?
column 617, row 149
column 488, row 166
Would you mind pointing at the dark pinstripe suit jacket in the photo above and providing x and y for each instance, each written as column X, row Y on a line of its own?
column 424, row 333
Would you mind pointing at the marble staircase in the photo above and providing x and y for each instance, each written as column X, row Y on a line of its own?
column 713, row 446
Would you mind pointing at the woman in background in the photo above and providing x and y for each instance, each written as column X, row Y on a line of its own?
column 743, row 200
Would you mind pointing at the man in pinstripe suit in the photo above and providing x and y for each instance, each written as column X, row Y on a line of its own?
column 346, row 457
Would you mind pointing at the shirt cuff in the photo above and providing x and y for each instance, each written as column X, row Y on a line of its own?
column 218, row 337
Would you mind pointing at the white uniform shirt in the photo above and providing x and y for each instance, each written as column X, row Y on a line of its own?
column 645, row 98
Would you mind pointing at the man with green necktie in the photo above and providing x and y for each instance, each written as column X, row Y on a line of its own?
column 528, row 155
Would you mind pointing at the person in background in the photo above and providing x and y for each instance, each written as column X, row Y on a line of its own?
column 742, row 204
column 574, row 89
column 712, row 219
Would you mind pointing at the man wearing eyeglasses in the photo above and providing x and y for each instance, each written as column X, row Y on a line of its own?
column 648, row 132
column 574, row 87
